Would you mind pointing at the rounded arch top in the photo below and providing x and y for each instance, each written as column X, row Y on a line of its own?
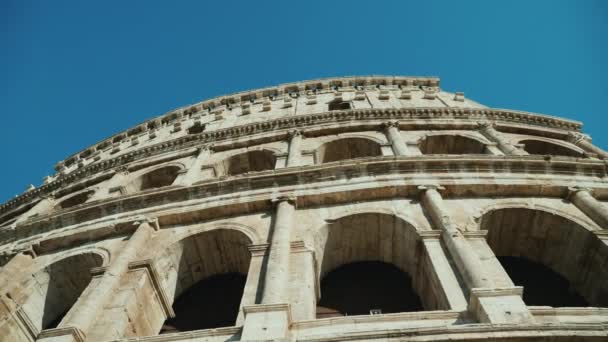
column 545, row 146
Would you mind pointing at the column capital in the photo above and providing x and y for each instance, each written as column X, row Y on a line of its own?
column 283, row 198
column 294, row 133
column 482, row 125
column 259, row 249
column 573, row 190
column 204, row 148
column 425, row 187
column 152, row 221
column 122, row 169
column 390, row 123
column 576, row 137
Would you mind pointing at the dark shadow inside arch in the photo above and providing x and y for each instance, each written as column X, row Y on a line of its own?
column 159, row 178
column 451, row 144
column 211, row 303
column 348, row 148
column 558, row 261
column 359, row 287
column 547, row 148
column 542, row 286
column 76, row 199
column 253, row 161
column 205, row 275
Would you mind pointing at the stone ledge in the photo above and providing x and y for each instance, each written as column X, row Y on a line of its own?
column 229, row 332
column 471, row 114
column 497, row 292
column 474, row 332
column 391, row 317
column 75, row 333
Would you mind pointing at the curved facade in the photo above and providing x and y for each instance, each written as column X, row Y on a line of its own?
column 360, row 208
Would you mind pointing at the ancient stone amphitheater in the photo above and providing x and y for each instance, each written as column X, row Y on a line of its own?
column 359, row 208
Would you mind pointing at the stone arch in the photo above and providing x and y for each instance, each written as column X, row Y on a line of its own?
column 580, row 220
column 164, row 242
column 251, row 160
column 552, row 147
column 199, row 265
column 549, row 242
column 75, row 199
column 46, row 295
column 348, row 147
column 374, row 241
column 451, row 143
column 156, row 177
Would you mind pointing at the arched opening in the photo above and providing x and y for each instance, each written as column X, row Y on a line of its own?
column 559, row 262
column 252, row 161
column 205, row 279
column 451, row 144
column 347, row 148
column 75, row 200
column 547, row 148
column 361, row 288
column 338, row 105
column 534, row 277
column 51, row 292
column 158, row 178
column 369, row 258
column 221, row 292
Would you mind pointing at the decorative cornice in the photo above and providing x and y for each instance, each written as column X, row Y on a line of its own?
column 291, row 178
column 293, row 122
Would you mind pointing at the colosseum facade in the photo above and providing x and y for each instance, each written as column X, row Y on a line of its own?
column 345, row 209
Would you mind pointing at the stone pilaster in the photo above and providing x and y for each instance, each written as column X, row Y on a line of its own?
column 270, row 320
column 195, row 171
column 303, row 282
column 488, row 130
column 450, row 295
column 84, row 313
column 116, row 186
column 488, row 303
column 393, row 135
column 467, row 261
column 44, row 206
column 252, row 291
column 277, row 269
column 17, row 265
column 584, row 200
column 295, row 152
column 584, row 141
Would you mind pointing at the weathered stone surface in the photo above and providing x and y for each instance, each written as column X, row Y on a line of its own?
column 284, row 187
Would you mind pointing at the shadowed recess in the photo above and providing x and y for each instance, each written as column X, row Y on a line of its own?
column 451, row 144
column 547, row 148
column 348, row 148
column 357, row 288
column 564, row 247
column 252, row 161
column 211, row 303
column 542, row 286
column 159, row 178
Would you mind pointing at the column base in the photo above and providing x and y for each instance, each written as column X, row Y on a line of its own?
column 63, row 334
column 499, row 305
column 266, row 322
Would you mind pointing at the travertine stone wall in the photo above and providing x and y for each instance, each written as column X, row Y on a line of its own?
column 285, row 185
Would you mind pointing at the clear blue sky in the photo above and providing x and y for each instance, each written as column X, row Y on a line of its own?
column 75, row 72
